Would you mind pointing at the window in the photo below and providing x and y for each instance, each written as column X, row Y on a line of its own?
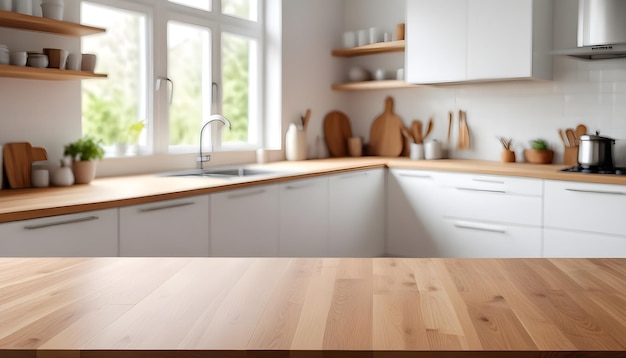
column 205, row 59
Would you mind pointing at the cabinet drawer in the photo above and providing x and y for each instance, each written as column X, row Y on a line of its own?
column 563, row 243
column 92, row 233
column 493, row 198
column 171, row 228
column 585, row 207
column 475, row 239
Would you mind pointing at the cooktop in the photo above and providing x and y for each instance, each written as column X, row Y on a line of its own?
column 596, row 170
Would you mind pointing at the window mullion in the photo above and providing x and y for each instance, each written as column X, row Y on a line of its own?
column 161, row 102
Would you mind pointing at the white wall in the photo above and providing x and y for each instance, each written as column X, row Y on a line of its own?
column 310, row 30
column 593, row 93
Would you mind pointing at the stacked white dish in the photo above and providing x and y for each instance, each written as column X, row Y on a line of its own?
column 4, row 55
column 52, row 9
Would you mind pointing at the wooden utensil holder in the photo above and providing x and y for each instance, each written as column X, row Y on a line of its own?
column 570, row 156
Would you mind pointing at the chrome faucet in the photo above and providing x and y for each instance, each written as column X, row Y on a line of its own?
column 212, row 118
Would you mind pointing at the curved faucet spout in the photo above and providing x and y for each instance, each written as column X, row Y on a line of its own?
column 212, row 118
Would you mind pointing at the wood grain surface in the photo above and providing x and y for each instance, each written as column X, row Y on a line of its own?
column 297, row 307
column 386, row 133
column 337, row 130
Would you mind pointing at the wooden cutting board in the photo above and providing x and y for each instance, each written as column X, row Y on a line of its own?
column 17, row 164
column 337, row 130
column 386, row 133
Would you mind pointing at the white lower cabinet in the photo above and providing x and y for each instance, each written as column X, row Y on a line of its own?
column 357, row 214
column 92, row 233
column 568, row 243
column 304, row 218
column 476, row 239
column 414, row 216
column 584, row 219
column 244, row 222
column 177, row 227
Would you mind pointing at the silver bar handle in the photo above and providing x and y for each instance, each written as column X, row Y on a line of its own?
column 483, row 190
column 243, row 195
column 301, row 186
column 489, row 181
column 596, row 191
column 479, row 227
column 60, row 223
column 417, row 176
column 350, row 176
column 165, row 207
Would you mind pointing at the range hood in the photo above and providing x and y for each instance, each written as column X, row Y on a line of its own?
column 601, row 30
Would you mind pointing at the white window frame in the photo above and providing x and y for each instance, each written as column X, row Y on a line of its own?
column 159, row 13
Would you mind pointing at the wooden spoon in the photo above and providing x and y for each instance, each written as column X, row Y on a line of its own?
column 563, row 138
column 450, row 119
column 429, row 128
column 571, row 137
column 416, row 130
column 306, row 118
column 581, row 130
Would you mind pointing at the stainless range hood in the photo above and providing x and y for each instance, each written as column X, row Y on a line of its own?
column 601, row 30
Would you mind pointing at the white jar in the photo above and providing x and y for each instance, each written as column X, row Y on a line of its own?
column 295, row 143
column 432, row 150
column 23, row 7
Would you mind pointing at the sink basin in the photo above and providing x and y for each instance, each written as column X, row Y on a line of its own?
column 231, row 172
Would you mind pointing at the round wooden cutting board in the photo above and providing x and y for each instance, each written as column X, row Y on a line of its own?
column 337, row 130
column 386, row 133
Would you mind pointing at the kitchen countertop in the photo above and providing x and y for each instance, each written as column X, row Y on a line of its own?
column 301, row 307
column 22, row 204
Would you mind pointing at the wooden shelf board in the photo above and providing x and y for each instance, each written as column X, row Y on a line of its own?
column 373, row 85
column 50, row 74
column 377, row 48
column 41, row 24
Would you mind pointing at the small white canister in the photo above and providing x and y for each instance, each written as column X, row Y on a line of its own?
column 432, row 150
column 295, row 143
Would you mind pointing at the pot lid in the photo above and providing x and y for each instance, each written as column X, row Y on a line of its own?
column 596, row 137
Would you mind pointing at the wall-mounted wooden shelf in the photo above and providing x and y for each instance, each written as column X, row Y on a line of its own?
column 373, row 85
column 50, row 74
column 373, row 49
column 41, row 24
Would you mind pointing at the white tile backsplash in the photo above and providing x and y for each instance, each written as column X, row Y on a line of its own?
column 589, row 92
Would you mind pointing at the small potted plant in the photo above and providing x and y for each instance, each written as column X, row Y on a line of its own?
column 540, row 152
column 507, row 155
column 84, row 153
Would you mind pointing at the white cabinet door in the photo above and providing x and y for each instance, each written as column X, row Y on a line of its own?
column 414, row 213
column 500, row 39
column 167, row 228
column 474, row 40
column 304, row 218
column 567, row 243
column 475, row 239
column 92, row 233
column 436, row 41
column 357, row 214
column 244, row 222
column 585, row 207
column 516, row 201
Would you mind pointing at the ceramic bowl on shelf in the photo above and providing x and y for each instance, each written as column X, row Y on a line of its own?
column 4, row 55
column 56, row 57
column 38, row 60
column 359, row 74
column 52, row 10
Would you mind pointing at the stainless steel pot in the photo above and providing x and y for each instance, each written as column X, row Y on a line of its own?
column 596, row 151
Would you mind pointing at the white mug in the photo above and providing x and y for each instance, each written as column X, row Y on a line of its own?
column 73, row 62
column 432, row 150
column 417, row 151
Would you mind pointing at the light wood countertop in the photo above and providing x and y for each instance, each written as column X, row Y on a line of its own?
column 312, row 307
column 106, row 193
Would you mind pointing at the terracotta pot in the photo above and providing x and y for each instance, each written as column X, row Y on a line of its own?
column 84, row 171
column 507, row 156
column 538, row 156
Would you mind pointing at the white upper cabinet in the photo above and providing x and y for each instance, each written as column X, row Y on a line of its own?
column 478, row 40
column 436, row 41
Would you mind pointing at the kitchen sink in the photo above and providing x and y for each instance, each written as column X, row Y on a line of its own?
column 230, row 172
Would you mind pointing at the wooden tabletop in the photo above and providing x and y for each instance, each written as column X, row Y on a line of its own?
column 297, row 307
column 104, row 193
